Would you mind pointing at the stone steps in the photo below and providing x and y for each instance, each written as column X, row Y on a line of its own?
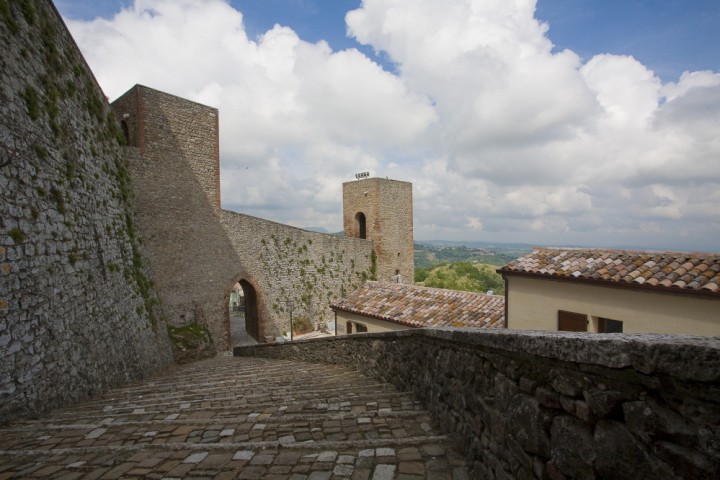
column 236, row 418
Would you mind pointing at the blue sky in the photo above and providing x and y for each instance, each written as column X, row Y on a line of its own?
column 577, row 122
column 669, row 36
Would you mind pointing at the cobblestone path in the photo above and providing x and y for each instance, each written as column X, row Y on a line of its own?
column 245, row 418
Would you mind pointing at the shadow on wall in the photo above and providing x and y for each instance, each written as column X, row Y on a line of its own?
column 173, row 152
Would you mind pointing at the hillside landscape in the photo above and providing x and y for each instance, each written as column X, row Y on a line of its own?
column 469, row 267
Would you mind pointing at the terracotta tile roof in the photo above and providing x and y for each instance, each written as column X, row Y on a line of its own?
column 685, row 272
column 417, row 306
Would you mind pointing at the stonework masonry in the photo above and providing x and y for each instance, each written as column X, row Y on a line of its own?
column 386, row 209
column 198, row 251
column 77, row 311
column 296, row 269
column 174, row 172
column 550, row 405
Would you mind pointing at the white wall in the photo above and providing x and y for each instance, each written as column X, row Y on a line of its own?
column 373, row 324
column 533, row 305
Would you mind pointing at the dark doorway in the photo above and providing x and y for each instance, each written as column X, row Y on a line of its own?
column 361, row 228
column 252, row 323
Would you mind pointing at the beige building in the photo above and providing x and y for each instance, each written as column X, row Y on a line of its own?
column 383, row 307
column 609, row 291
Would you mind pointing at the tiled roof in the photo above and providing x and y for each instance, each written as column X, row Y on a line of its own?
column 686, row 272
column 417, row 306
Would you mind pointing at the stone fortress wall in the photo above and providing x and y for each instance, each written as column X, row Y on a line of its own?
column 77, row 310
column 198, row 251
column 175, row 176
column 296, row 269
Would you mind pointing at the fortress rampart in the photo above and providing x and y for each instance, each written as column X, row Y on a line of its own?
column 198, row 251
column 77, row 311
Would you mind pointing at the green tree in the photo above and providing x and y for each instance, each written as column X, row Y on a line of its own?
column 465, row 276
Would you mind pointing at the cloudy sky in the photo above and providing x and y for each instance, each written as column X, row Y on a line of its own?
column 556, row 122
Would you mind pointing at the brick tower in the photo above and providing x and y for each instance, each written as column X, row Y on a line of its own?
column 381, row 210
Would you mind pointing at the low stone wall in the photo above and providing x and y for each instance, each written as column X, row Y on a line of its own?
column 550, row 404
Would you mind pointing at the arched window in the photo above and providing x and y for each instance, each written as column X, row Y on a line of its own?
column 360, row 224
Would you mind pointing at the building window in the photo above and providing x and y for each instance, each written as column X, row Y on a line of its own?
column 357, row 327
column 572, row 322
column 361, row 225
column 607, row 325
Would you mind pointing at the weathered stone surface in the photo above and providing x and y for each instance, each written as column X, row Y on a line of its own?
column 572, row 447
column 508, row 434
column 603, row 403
column 650, row 420
column 78, row 314
column 619, row 455
column 526, row 424
column 687, row 462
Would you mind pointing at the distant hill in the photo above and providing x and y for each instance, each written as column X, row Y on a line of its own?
column 317, row 229
column 434, row 252
column 324, row 230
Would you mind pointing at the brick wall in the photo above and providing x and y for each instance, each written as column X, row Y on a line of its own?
column 550, row 405
column 77, row 314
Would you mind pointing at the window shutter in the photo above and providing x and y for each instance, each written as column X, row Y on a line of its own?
column 572, row 322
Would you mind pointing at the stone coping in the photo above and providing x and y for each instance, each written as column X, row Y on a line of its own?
column 681, row 356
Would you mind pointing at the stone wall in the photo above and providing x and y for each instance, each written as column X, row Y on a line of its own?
column 175, row 174
column 551, row 405
column 77, row 311
column 291, row 266
column 198, row 252
column 388, row 209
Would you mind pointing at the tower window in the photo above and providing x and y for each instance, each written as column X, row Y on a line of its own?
column 360, row 223
column 126, row 131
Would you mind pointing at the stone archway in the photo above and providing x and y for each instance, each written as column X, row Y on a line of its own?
column 243, row 313
column 360, row 225
column 252, row 320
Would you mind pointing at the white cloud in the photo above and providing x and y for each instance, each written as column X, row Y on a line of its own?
column 503, row 139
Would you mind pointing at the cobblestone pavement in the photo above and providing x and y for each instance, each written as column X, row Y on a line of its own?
column 245, row 418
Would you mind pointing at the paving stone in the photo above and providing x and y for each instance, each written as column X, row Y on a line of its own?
column 262, row 459
column 237, row 401
column 384, row 452
column 287, row 458
column 243, row 455
column 343, row 470
column 196, row 457
column 319, row 476
column 327, row 456
column 384, row 472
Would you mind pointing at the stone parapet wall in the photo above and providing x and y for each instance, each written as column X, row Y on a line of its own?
column 292, row 266
column 551, row 405
column 77, row 312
